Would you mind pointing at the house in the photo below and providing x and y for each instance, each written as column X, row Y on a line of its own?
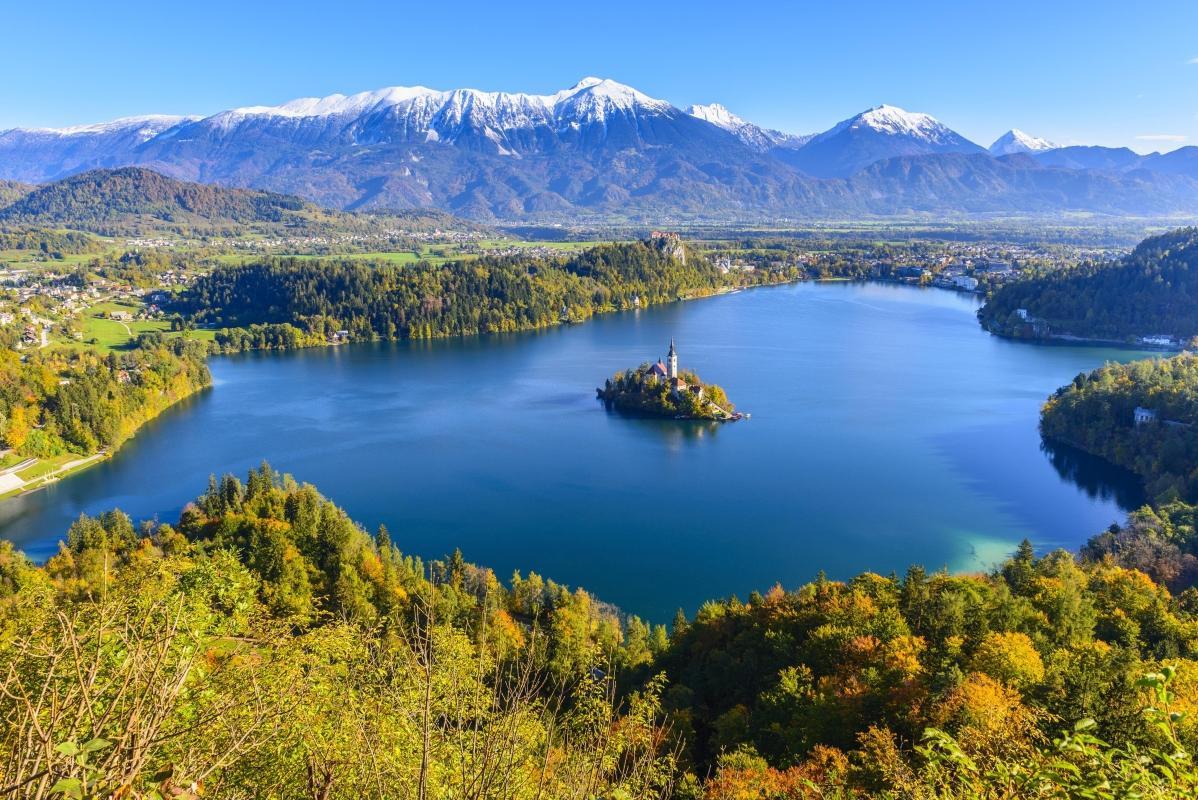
column 678, row 386
column 1143, row 416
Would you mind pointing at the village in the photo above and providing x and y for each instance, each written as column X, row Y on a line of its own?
column 39, row 308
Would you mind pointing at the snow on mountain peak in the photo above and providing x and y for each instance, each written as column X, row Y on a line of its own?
column 589, row 99
column 1016, row 141
column 146, row 126
column 892, row 119
column 593, row 95
column 716, row 114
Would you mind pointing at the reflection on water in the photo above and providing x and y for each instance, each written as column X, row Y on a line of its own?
column 674, row 433
column 1098, row 478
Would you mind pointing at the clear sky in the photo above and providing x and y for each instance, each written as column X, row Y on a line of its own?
column 1098, row 72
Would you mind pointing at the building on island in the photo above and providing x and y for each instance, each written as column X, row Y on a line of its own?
column 666, row 371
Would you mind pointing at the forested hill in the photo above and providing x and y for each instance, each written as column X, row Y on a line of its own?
column 137, row 201
column 1096, row 412
column 12, row 191
column 1151, row 291
column 265, row 645
column 102, row 199
column 294, row 302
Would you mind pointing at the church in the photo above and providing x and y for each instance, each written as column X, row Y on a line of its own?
column 668, row 371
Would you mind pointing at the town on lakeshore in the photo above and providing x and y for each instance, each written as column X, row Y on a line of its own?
column 661, row 390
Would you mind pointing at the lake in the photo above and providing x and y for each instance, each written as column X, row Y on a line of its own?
column 887, row 429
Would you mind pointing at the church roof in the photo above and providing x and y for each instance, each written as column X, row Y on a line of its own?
column 658, row 369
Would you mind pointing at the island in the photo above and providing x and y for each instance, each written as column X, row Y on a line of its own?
column 661, row 390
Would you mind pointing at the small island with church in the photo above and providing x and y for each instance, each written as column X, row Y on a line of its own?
column 661, row 390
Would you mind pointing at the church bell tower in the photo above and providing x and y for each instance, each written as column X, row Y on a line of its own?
column 672, row 362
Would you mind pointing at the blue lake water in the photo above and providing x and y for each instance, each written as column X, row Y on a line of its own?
column 887, row 429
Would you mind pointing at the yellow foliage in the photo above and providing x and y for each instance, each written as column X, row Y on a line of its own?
column 989, row 718
column 1009, row 657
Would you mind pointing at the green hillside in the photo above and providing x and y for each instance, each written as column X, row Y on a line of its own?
column 1151, row 291
column 137, row 201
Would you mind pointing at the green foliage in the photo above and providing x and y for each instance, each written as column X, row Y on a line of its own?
column 636, row 391
column 104, row 200
column 993, row 660
column 1154, row 290
column 268, row 647
column 80, row 401
column 1096, row 413
column 49, row 242
column 271, row 647
column 1078, row 765
column 295, row 302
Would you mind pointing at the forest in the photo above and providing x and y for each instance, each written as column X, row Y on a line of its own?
column 138, row 201
column 1096, row 413
column 488, row 295
column 49, row 242
column 265, row 645
column 57, row 401
column 1151, row 291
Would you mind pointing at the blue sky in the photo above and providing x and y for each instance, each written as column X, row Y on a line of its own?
column 1112, row 73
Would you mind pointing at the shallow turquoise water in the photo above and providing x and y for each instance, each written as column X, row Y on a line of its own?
column 886, row 429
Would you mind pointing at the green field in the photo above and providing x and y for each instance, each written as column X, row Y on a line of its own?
column 35, row 259
column 45, row 466
column 109, row 334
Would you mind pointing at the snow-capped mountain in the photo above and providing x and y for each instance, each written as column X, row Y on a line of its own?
column 35, row 154
column 144, row 127
column 1016, row 141
column 876, row 134
column 474, row 152
column 759, row 138
column 502, row 122
column 600, row 148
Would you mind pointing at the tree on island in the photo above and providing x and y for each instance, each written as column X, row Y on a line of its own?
column 662, row 390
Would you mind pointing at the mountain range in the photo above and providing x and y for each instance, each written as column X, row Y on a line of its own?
column 601, row 149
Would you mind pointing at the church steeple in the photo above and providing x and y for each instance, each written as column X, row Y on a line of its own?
column 672, row 361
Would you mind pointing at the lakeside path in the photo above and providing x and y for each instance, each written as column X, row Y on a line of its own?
column 12, row 484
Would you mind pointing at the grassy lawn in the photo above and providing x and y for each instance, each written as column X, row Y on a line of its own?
column 35, row 259
column 47, row 465
column 106, row 334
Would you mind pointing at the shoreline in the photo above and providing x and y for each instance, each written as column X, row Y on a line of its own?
column 1071, row 339
column 78, row 465
column 69, row 468
column 83, row 462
